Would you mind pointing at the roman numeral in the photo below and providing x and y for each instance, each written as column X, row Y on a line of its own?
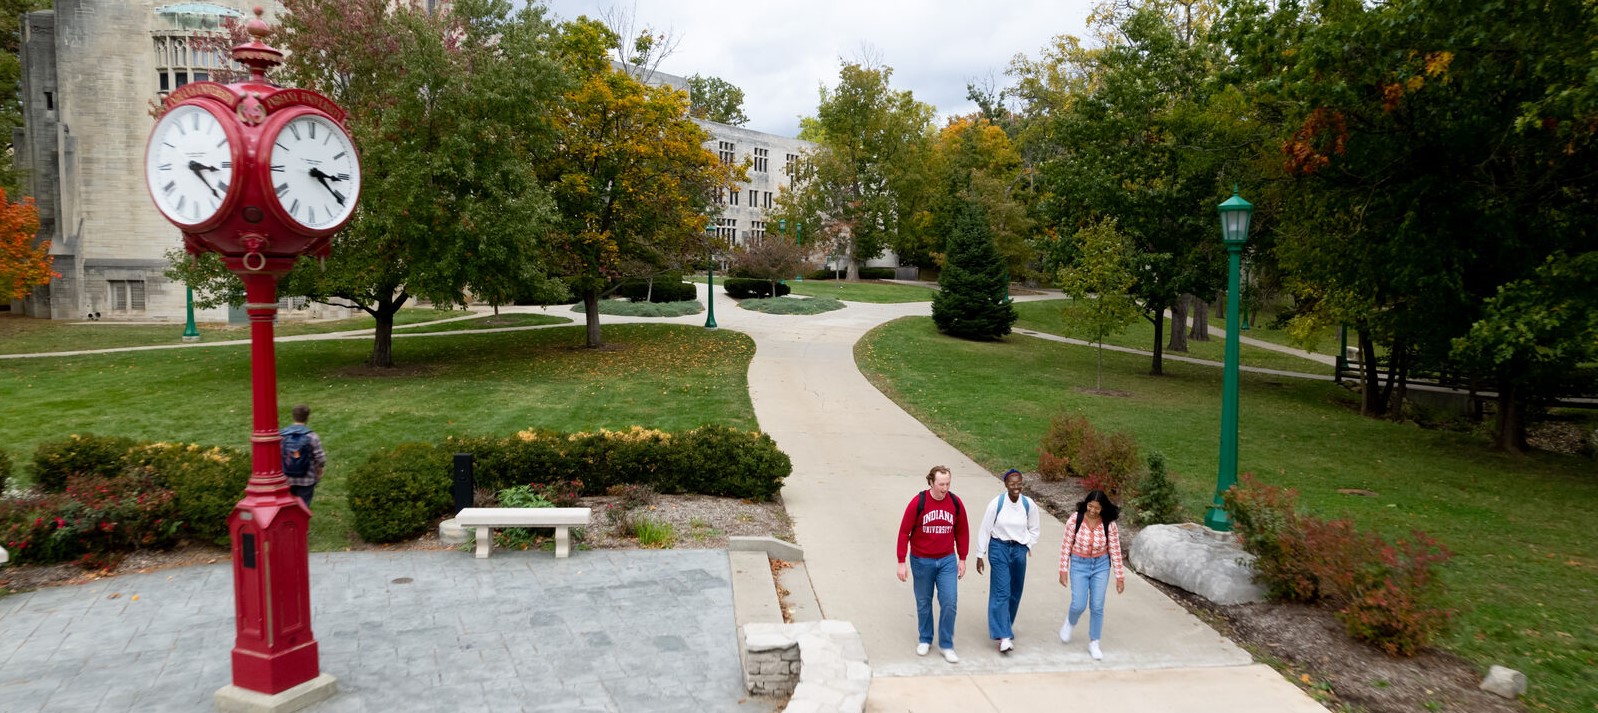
column 277, row 168
column 164, row 167
column 338, row 155
column 295, row 130
column 221, row 143
column 179, row 127
column 295, row 208
column 343, row 177
column 182, row 201
column 196, row 116
column 169, row 187
column 310, row 214
column 221, row 186
column 281, row 146
column 227, row 164
column 312, row 126
column 282, row 188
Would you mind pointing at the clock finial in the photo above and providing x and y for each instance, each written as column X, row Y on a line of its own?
column 256, row 54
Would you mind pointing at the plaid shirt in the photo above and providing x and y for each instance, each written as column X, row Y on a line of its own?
column 1090, row 543
column 318, row 463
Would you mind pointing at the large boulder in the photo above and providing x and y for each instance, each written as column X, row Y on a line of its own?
column 1200, row 560
column 1506, row 682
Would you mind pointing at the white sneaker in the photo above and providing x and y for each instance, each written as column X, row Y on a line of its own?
column 1093, row 650
column 1065, row 632
column 949, row 655
column 922, row 649
column 1006, row 646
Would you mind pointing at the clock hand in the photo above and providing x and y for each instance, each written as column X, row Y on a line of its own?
column 197, row 167
column 322, row 178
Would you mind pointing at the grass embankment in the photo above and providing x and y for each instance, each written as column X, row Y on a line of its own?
column 1048, row 316
column 1525, row 571
column 662, row 376
column 23, row 335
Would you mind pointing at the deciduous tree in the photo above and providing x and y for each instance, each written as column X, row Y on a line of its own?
column 1100, row 284
column 716, row 99
column 24, row 259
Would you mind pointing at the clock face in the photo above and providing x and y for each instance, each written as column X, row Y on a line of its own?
column 189, row 166
column 315, row 177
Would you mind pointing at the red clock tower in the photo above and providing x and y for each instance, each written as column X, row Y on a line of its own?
column 261, row 175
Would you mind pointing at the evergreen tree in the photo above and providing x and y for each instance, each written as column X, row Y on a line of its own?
column 973, row 303
column 1157, row 501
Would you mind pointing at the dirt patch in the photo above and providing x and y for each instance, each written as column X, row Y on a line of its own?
column 367, row 371
column 1115, row 393
column 1308, row 646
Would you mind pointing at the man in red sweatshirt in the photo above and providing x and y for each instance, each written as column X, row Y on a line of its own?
column 934, row 531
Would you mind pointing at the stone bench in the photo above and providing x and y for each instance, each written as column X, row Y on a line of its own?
column 821, row 663
column 484, row 520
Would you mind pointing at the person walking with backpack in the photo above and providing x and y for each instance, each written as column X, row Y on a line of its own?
column 1010, row 526
column 303, row 457
column 1091, row 549
column 934, row 532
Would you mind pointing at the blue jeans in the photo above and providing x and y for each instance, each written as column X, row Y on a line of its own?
column 941, row 573
column 1090, row 577
column 1008, row 562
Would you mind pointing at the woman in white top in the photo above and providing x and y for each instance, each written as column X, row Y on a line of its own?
column 1010, row 527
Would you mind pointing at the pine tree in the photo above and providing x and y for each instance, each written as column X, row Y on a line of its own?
column 973, row 303
column 1157, row 501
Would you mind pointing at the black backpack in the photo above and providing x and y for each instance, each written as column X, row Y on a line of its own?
column 921, row 504
column 296, row 450
column 1078, row 528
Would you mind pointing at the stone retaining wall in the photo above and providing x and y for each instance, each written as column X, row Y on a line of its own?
column 821, row 663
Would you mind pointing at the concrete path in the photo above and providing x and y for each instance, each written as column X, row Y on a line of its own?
column 858, row 459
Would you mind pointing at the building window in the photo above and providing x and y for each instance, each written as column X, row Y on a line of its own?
column 727, row 229
column 754, row 198
column 126, row 295
column 757, row 229
column 733, row 199
column 761, row 160
column 726, row 152
column 179, row 60
column 789, row 164
column 768, row 200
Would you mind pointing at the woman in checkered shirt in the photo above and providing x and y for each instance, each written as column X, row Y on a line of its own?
column 1090, row 552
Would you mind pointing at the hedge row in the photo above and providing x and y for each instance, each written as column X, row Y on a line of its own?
column 667, row 288
column 100, row 496
column 743, row 287
column 398, row 493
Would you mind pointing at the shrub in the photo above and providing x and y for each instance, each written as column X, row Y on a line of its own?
column 560, row 493
column 396, row 494
column 654, row 534
column 786, row 305
column 742, row 287
column 521, row 538
column 1073, row 447
column 1157, row 501
column 718, row 460
column 877, row 273
column 94, row 521
column 86, row 454
column 667, row 288
column 1385, row 594
column 206, row 482
column 632, row 495
column 5, row 470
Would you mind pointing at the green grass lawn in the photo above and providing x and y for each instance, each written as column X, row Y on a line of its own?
column 1048, row 316
column 1525, row 571
column 501, row 321
column 878, row 292
column 663, row 376
column 24, row 335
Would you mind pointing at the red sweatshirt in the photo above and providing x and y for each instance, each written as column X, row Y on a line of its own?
column 942, row 532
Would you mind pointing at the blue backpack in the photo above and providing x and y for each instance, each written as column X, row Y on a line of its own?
column 1025, row 503
column 296, row 450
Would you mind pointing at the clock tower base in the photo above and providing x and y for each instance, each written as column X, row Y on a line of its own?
column 232, row 699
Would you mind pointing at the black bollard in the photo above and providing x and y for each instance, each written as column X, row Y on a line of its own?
column 463, row 485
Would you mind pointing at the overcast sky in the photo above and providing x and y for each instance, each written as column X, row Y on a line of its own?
column 779, row 52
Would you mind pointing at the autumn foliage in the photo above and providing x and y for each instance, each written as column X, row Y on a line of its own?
column 24, row 263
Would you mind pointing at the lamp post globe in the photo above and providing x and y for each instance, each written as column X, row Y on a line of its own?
column 1236, row 214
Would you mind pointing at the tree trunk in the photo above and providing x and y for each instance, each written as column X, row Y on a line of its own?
column 1098, row 370
column 383, row 335
column 1370, row 402
column 1157, row 368
column 1201, row 321
column 1398, row 384
column 591, row 310
column 1220, row 304
column 1509, row 431
column 1178, row 341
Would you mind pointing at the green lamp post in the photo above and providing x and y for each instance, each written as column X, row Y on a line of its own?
column 710, row 277
column 190, row 332
column 1235, row 215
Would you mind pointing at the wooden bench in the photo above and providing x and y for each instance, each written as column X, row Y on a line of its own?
column 485, row 519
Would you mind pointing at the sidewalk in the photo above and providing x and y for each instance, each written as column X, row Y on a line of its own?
column 858, row 459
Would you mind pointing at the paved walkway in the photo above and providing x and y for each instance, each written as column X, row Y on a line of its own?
column 661, row 638
column 612, row 631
